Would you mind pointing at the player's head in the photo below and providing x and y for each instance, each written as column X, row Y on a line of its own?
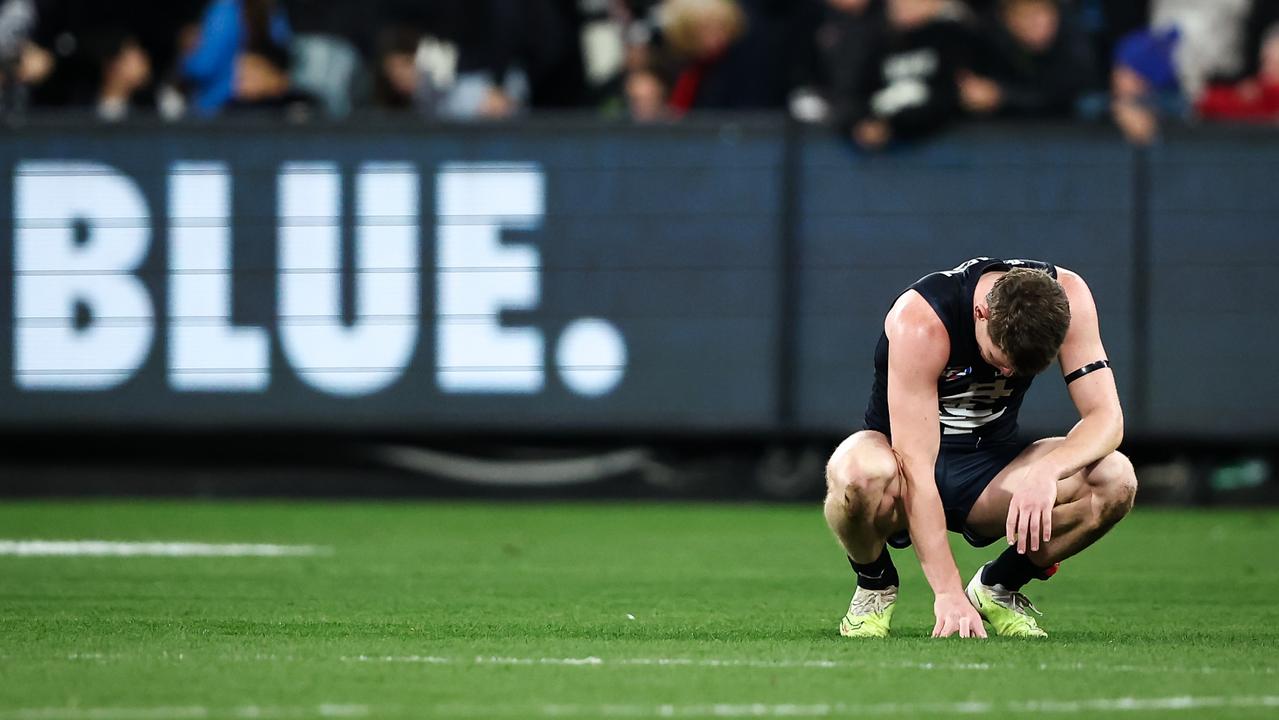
column 1023, row 322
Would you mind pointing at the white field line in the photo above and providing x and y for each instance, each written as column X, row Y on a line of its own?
column 721, row 710
column 748, row 663
column 108, row 548
column 593, row 661
column 1059, row 707
column 750, row 710
column 188, row 712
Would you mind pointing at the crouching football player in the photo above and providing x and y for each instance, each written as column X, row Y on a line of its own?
column 940, row 449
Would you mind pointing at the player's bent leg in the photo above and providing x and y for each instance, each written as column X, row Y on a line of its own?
column 862, row 494
column 1103, row 494
column 1089, row 504
column 862, row 508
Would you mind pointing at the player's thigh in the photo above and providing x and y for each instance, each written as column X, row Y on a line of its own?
column 989, row 514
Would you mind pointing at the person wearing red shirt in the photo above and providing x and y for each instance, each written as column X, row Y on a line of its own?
column 1255, row 99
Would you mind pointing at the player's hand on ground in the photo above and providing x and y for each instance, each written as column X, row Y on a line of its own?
column 1030, row 512
column 955, row 615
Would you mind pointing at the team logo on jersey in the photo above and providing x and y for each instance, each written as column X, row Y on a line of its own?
column 980, row 404
column 956, row 373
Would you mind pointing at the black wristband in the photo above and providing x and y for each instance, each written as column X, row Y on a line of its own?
column 1089, row 368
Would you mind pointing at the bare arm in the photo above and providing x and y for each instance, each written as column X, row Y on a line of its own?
column 917, row 352
column 1096, row 435
column 1101, row 425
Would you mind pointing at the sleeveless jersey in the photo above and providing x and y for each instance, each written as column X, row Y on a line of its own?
column 976, row 405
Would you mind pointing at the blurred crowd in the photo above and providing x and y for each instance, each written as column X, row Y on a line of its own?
column 878, row 70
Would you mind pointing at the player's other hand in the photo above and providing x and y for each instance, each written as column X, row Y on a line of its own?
column 1030, row 511
column 956, row 615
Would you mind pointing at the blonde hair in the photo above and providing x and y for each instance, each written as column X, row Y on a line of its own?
column 681, row 18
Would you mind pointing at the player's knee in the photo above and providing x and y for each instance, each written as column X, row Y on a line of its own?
column 1114, row 484
column 851, row 475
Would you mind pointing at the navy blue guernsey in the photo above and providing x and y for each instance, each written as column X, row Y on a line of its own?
column 976, row 405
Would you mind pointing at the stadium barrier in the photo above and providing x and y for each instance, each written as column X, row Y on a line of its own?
column 568, row 276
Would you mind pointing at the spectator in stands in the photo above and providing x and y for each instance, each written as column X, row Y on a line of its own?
column 1144, row 83
column 492, row 78
column 1255, row 99
column 641, row 90
column 641, row 22
column 1212, row 38
column 123, row 68
column 230, row 29
column 646, row 97
column 23, row 63
column 911, row 87
column 1262, row 18
column 1162, row 71
column 331, row 39
column 491, row 59
column 715, row 54
column 17, row 21
column 488, row 58
column 396, row 78
column 81, row 33
column 263, row 86
column 698, row 33
column 838, row 49
column 1034, row 64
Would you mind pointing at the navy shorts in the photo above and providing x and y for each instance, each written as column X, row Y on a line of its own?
column 962, row 476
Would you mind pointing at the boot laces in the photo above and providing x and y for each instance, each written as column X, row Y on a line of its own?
column 867, row 602
column 1015, row 600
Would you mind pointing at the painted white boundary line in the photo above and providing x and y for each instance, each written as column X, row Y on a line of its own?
column 1057, row 707
column 719, row 710
column 108, row 548
column 187, row 712
column 593, row 661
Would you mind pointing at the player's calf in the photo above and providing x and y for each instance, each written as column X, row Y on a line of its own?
column 860, row 508
column 1106, row 497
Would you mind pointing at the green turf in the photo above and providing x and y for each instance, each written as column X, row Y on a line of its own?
column 1169, row 605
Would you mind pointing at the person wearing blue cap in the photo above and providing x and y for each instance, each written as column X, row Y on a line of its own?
column 1144, row 83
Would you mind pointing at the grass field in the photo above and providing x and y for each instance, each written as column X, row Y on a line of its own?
column 621, row 610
